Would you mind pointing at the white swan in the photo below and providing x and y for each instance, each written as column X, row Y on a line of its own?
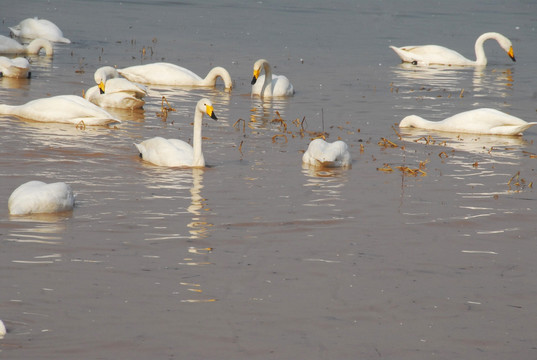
column 2, row 329
column 14, row 68
column 70, row 109
column 37, row 197
column 116, row 92
column 478, row 121
column 324, row 154
column 438, row 55
column 10, row 46
column 174, row 75
column 270, row 85
column 174, row 152
column 34, row 28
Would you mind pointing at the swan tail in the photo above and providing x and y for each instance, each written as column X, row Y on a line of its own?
column 512, row 129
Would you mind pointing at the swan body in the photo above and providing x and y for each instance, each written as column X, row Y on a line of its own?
column 2, row 329
column 10, row 46
column 69, row 109
column 37, row 197
column 478, row 121
column 324, row 154
column 14, row 68
column 438, row 55
column 174, row 152
column 34, row 28
column 173, row 75
column 116, row 92
column 270, row 85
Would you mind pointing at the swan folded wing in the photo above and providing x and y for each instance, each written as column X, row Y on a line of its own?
column 38, row 197
column 17, row 68
column 281, row 86
column 166, row 152
column 322, row 153
column 118, row 100
column 33, row 28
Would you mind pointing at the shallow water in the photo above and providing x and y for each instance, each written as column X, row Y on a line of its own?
column 255, row 257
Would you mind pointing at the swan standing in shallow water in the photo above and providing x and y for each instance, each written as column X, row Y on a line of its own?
column 174, row 152
column 270, row 85
column 324, row 154
column 479, row 121
column 438, row 55
column 36, row 197
column 34, row 28
column 116, row 92
column 174, row 75
column 69, row 109
column 14, row 68
column 10, row 46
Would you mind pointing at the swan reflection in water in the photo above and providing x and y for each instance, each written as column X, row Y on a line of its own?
column 325, row 183
column 485, row 81
column 38, row 228
column 265, row 110
column 199, row 227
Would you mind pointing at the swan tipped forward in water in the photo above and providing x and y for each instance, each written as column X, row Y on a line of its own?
column 116, row 92
column 10, row 46
column 270, row 85
column 173, row 75
column 14, row 68
column 479, row 121
column 175, row 152
column 34, row 28
column 37, row 197
column 324, row 154
column 69, row 109
column 438, row 55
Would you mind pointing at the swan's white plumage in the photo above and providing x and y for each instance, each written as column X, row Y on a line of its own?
column 37, row 197
column 173, row 75
column 425, row 55
column 70, row 109
column 270, row 85
column 14, row 68
column 324, row 154
column 10, row 46
column 478, row 121
column 2, row 330
column 175, row 152
column 34, row 28
column 116, row 92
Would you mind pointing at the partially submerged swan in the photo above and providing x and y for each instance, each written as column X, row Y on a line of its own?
column 173, row 75
column 324, row 154
column 37, row 197
column 10, row 46
column 14, row 68
column 69, row 109
column 175, row 152
column 478, row 121
column 34, row 28
column 425, row 55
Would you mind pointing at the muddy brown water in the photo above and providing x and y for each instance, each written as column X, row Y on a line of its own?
column 424, row 249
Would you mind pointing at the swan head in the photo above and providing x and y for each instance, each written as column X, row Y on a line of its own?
column 257, row 69
column 507, row 46
column 205, row 106
column 410, row 121
column 102, row 74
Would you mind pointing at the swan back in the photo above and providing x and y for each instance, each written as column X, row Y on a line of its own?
column 33, row 28
column 35, row 197
column 325, row 154
column 15, row 68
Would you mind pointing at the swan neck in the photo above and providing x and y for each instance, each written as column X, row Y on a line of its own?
column 480, row 58
column 215, row 73
column 198, row 160
column 268, row 80
column 36, row 45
